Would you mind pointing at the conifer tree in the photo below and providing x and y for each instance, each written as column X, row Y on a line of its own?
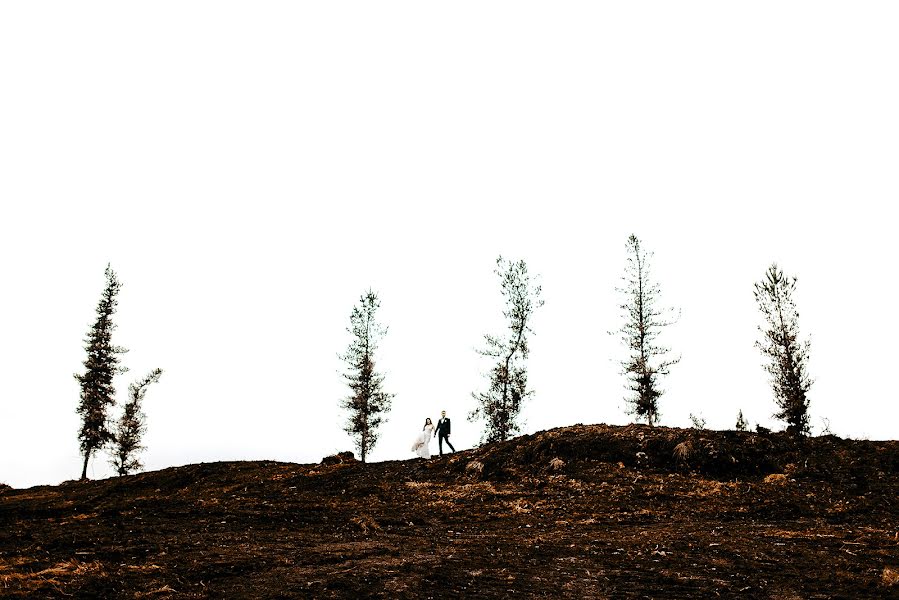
column 101, row 365
column 741, row 425
column 501, row 404
column 367, row 403
column 644, row 320
column 131, row 427
column 785, row 354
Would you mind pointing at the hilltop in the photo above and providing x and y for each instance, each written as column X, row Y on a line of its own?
column 577, row 512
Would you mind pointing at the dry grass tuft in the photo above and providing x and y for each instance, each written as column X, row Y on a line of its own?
column 474, row 467
column 163, row 590
column 69, row 567
column 144, row 568
column 436, row 493
column 415, row 485
column 472, row 490
column 705, row 487
column 51, row 576
column 683, row 451
column 890, row 577
column 7, row 563
column 557, row 464
column 778, row 478
column 519, row 506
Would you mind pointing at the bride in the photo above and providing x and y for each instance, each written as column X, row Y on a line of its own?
column 422, row 445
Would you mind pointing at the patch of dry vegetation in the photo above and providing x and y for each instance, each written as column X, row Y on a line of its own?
column 164, row 590
column 705, row 487
column 51, row 577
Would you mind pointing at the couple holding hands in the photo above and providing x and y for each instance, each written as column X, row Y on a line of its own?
column 422, row 445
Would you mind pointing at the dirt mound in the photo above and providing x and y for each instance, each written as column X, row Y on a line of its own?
column 585, row 511
column 339, row 458
column 723, row 455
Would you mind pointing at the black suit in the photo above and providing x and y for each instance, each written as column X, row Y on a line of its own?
column 442, row 432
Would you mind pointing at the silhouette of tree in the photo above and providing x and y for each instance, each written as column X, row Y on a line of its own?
column 501, row 404
column 131, row 427
column 698, row 421
column 368, row 402
column 787, row 357
column 101, row 365
column 642, row 325
column 741, row 425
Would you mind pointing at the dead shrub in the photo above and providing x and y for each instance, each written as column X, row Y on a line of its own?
column 778, row 478
column 475, row 467
column 557, row 464
column 890, row 577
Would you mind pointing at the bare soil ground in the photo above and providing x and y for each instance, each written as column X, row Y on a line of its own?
column 579, row 512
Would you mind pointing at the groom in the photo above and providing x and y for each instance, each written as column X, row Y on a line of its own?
column 443, row 432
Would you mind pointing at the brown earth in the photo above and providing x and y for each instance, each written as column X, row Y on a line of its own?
column 578, row 512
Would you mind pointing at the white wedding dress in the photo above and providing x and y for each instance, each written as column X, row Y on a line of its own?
column 422, row 445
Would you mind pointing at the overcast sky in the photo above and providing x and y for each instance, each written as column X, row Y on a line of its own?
column 250, row 169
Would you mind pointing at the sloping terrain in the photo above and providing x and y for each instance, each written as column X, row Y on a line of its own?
column 577, row 512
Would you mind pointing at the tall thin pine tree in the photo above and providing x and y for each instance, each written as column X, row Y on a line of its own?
column 367, row 403
column 101, row 366
column 787, row 357
column 644, row 320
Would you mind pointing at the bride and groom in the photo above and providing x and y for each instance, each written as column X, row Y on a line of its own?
column 422, row 445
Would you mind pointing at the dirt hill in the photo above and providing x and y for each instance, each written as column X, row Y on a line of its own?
column 578, row 512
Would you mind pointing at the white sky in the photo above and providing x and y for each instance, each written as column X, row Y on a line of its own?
column 250, row 169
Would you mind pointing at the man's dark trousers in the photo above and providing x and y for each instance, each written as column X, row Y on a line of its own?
column 442, row 438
